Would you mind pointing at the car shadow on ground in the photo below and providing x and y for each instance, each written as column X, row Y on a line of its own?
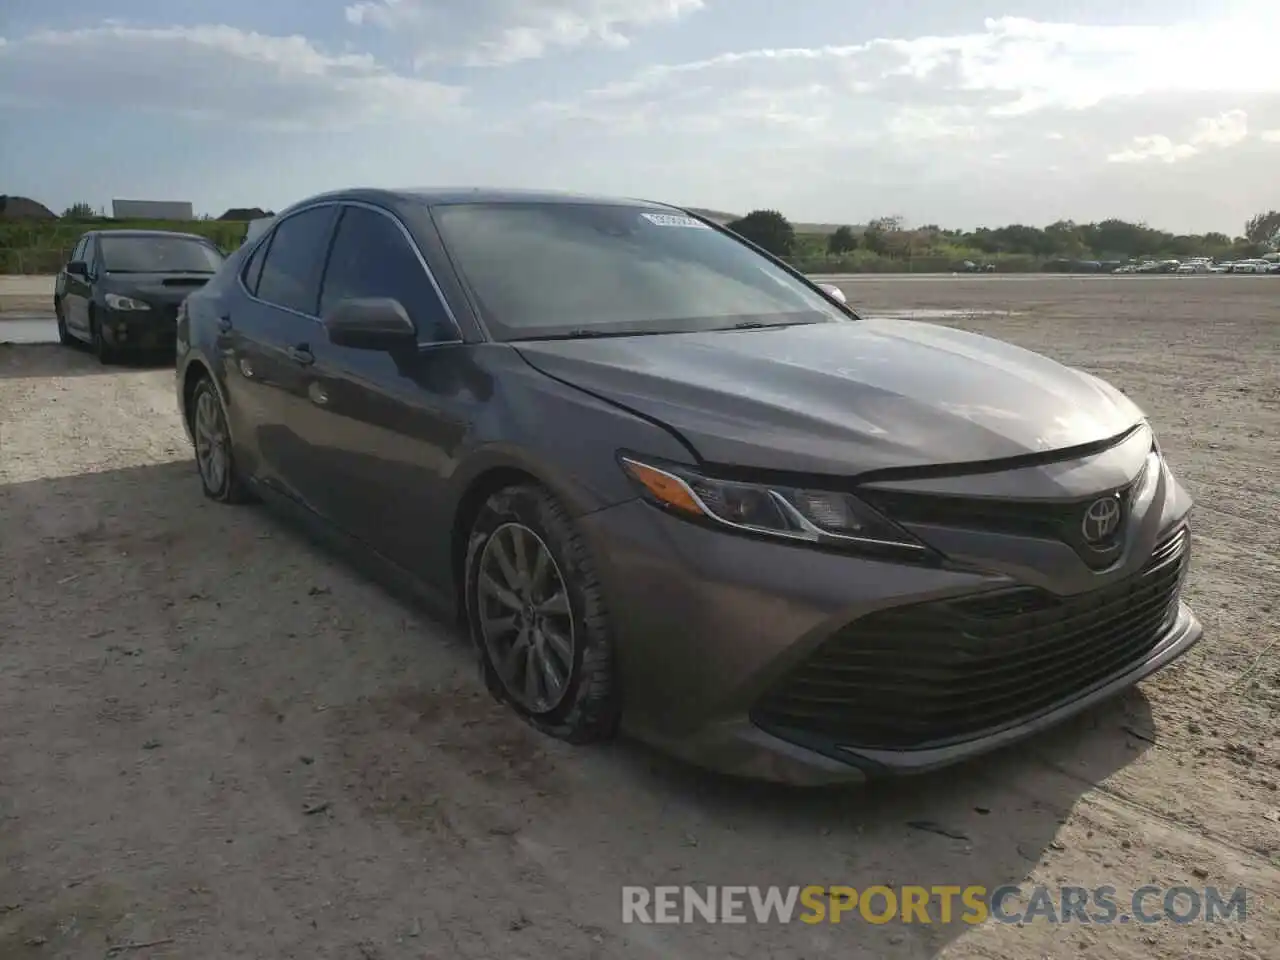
column 138, row 609
column 19, row 360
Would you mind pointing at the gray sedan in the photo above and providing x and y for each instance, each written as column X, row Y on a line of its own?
column 672, row 487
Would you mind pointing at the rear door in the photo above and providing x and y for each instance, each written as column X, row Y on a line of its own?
column 387, row 427
column 268, row 336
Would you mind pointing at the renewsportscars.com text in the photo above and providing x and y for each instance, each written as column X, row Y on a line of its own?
column 928, row 905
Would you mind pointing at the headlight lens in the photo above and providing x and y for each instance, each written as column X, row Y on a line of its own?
column 816, row 516
column 117, row 302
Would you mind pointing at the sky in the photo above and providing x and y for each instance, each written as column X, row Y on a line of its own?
column 961, row 113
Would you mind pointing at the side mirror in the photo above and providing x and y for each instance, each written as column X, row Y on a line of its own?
column 834, row 292
column 78, row 268
column 375, row 323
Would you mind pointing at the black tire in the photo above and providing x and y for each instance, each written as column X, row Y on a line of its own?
column 588, row 707
column 104, row 351
column 227, row 484
column 64, row 335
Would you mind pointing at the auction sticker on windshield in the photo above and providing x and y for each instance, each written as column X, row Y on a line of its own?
column 671, row 220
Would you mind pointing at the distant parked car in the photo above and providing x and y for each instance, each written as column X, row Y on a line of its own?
column 121, row 289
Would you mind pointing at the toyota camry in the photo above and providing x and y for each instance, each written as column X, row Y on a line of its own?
column 675, row 489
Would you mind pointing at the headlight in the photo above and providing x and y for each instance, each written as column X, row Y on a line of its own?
column 793, row 513
column 117, row 302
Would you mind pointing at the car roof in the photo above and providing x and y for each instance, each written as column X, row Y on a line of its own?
column 438, row 196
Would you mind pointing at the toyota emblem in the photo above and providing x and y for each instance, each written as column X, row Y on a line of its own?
column 1101, row 520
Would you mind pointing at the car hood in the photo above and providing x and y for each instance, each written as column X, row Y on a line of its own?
column 155, row 287
column 844, row 398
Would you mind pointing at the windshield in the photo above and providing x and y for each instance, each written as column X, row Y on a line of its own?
column 581, row 269
column 140, row 254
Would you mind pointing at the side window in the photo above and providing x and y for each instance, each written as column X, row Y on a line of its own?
column 290, row 274
column 78, row 252
column 89, row 254
column 253, row 268
column 372, row 258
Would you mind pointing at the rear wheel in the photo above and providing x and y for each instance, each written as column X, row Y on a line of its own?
column 536, row 615
column 219, row 476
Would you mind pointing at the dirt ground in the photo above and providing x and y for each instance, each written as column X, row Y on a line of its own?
column 218, row 737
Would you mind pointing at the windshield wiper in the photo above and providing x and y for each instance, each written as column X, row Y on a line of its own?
column 761, row 325
column 587, row 333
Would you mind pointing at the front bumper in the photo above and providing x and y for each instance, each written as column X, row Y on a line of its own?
column 153, row 329
column 709, row 626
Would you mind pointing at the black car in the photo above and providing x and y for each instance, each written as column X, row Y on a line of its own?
column 121, row 289
column 673, row 486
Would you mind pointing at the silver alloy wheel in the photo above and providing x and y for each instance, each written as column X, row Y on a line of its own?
column 525, row 616
column 212, row 442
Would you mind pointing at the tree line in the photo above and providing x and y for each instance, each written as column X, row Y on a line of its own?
column 888, row 239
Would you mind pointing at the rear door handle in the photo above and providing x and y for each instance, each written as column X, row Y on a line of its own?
column 301, row 354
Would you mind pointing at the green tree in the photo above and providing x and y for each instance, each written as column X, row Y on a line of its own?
column 768, row 229
column 1264, row 229
column 841, row 241
column 878, row 236
column 78, row 211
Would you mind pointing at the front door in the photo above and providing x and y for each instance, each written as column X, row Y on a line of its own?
column 388, row 427
column 79, row 290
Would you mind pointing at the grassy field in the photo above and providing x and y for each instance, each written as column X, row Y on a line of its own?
column 43, row 246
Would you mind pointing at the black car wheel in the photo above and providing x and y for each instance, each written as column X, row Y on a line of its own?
column 215, row 458
column 104, row 351
column 536, row 614
column 64, row 335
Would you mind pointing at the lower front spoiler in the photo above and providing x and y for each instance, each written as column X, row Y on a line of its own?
column 740, row 748
column 138, row 330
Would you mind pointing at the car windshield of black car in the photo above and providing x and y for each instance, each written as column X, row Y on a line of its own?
column 142, row 254
column 539, row 270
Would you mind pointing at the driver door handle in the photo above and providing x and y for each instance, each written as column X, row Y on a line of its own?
column 301, row 354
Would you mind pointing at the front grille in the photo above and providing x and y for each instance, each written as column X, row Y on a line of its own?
column 1047, row 520
column 164, row 312
column 947, row 671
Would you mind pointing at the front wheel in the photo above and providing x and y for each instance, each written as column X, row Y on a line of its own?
column 104, row 351
column 537, row 617
column 64, row 335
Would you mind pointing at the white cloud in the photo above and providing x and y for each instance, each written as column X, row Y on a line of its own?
column 1225, row 130
column 968, row 127
column 493, row 32
column 1153, row 147
column 1012, row 68
column 1209, row 133
column 213, row 72
column 1270, row 136
column 915, row 124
